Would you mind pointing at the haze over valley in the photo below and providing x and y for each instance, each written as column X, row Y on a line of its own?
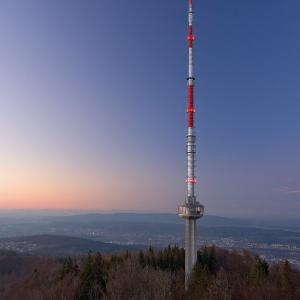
column 57, row 235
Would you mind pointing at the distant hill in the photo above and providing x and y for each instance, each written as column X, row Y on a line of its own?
column 149, row 218
column 56, row 245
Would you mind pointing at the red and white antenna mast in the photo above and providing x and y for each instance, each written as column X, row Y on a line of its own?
column 190, row 210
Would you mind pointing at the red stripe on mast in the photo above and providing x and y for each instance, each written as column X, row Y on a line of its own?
column 190, row 37
column 190, row 106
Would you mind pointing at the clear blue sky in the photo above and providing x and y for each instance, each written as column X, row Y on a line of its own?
column 93, row 100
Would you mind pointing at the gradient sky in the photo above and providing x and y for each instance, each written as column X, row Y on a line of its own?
column 93, row 99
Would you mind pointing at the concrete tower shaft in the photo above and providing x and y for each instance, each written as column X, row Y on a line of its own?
column 191, row 210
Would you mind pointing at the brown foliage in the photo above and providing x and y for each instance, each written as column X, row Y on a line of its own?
column 153, row 275
column 130, row 281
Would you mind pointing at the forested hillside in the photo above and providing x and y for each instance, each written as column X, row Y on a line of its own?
column 151, row 274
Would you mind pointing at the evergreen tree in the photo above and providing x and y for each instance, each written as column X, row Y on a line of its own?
column 259, row 271
column 142, row 259
column 127, row 255
column 207, row 258
column 69, row 266
column 100, row 274
column 287, row 284
column 115, row 260
column 212, row 260
column 87, row 278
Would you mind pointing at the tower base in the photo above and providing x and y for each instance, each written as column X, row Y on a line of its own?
column 190, row 249
column 190, row 212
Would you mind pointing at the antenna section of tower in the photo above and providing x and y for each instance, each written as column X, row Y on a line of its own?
column 191, row 209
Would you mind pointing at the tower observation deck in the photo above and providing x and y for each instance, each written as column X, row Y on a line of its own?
column 191, row 210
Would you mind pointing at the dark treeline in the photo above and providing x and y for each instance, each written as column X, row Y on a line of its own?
column 151, row 274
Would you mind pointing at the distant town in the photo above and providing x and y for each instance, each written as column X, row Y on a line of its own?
column 135, row 231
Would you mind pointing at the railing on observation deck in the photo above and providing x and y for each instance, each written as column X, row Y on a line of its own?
column 191, row 210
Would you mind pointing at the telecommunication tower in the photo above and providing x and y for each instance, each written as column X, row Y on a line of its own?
column 191, row 210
